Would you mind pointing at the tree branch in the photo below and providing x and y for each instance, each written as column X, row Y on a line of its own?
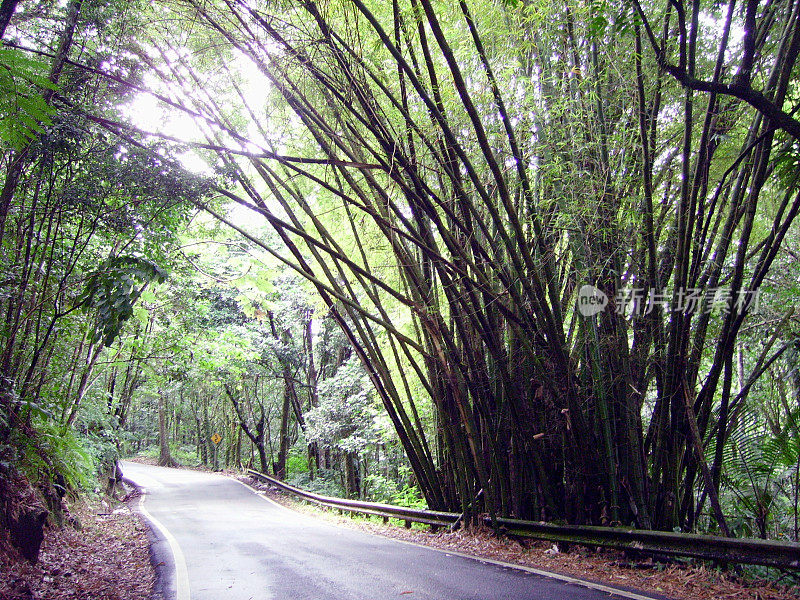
column 740, row 88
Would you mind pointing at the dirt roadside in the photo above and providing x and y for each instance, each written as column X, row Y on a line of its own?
column 108, row 558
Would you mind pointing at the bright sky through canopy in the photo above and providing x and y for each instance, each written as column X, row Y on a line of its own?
column 152, row 115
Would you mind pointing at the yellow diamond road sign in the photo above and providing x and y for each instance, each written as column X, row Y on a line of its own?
column 216, row 438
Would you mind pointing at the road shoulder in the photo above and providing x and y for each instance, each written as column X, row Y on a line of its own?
column 603, row 567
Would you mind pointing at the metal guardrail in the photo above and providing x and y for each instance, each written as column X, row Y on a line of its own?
column 770, row 553
column 409, row 515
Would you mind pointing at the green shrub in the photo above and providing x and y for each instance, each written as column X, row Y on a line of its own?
column 326, row 482
column 296, row 462
column 410, row 497
column 55, row 450
column 383, row 489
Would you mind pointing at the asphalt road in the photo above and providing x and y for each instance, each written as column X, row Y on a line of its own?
column 219, row 540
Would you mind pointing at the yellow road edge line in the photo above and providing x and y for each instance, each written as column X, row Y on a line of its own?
column 181, row 573
column 558, row 576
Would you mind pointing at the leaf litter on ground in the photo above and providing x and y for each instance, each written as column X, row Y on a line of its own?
column 107, row 558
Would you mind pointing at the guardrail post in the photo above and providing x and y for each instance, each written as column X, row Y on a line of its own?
column 780, row 554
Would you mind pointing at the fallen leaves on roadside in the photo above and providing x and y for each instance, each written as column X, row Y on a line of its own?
column 108, row 559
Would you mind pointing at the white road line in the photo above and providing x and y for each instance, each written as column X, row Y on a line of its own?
column 263, row 497
column 181, row 573
column 565, row 578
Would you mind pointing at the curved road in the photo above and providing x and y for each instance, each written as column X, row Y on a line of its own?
column 217, row 539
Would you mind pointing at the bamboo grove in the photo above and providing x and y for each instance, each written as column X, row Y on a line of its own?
column 508, row 154
column 451, row 176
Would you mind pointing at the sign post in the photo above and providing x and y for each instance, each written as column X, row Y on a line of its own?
column 216, row 438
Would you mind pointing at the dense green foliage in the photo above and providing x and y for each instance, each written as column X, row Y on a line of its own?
column 87, row 223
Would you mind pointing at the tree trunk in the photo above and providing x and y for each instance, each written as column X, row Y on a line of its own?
column 279, row 468
column 257, row 437
column 352, row 475
column 6, row 12
column 313, row 398
column 202, row 452
column 164, row 457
